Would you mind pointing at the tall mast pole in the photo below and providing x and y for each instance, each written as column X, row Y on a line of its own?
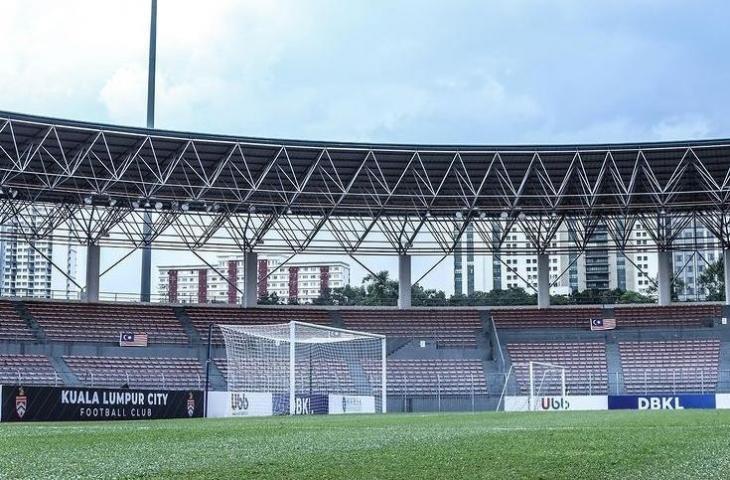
column 146, row 279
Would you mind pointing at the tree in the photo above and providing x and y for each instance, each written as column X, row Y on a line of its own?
column 380, row 289
column 677, row 288
column 269, row 299
column 713, row 280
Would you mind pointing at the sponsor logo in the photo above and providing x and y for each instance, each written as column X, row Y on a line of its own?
column 302, row 406
column 21, row 403
column 659, row 403
column 239, row 402
column 554, row 403
column 191, row 405
column 351, row 404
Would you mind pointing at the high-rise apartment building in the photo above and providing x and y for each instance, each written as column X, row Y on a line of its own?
column 26, row 271
column 300, row 281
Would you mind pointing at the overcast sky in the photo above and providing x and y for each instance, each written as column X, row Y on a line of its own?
column 383, row 71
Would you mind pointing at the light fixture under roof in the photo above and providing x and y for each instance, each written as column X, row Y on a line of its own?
column 158, row 205
column 112, row 202
column 135, row 204
column 88, row 200
column 185, row 207
column 504, row 215
column 252, row 209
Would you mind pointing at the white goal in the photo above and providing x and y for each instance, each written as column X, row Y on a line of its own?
column 303, row 368
column 539, row 380
column 546, row 380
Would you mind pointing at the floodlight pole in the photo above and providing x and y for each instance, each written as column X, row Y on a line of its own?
column 146, row 280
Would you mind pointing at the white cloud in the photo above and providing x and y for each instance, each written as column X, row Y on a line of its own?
column 682, row 127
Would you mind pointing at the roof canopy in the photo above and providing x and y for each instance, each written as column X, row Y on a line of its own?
column 94, row 183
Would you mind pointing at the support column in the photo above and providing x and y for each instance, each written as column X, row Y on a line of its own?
column 404, row 281
column 93, row 257
column 664, row 277
column 250, row 278
column 726, row 256
column 543, row 280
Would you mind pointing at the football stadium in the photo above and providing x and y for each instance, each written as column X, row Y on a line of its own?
column 191, row 385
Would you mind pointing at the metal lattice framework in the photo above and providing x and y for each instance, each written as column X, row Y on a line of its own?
column 92, row 184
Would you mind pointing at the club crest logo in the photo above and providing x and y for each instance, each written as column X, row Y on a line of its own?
column 191, row 405
column 21, row 403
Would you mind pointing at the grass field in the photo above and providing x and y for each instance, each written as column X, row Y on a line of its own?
column 595, row 445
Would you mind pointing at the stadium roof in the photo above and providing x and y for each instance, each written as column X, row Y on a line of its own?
column 93, row 183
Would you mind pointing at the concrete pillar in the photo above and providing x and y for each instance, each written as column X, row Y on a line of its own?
column 543, row 280
column 404, row 281
column 250, row 279
column 664, row 277
column 726, row 256
column 93, row 257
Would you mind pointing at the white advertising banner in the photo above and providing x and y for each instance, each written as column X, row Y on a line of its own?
column 251, row 404
column 351, row 404
column 557, row 404
column 722, row 400
column 240, row 404
column 219, row 404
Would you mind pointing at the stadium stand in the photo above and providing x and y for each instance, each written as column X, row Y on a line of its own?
column 103, row 322
column 545, row 318
column 27, row 370
column 449, row 328
column 137, row 372
column 586, row 370
column 670, row 365
column 672, row 316
column 430, row 377
column 201, row 317
column 12, row 327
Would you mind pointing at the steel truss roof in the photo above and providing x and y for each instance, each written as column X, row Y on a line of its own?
column 93, row 183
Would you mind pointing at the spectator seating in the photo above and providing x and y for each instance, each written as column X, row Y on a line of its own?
column 449, row 328
column 203, row 316
column 545, row 317
column 27, row 370
column 103, row 322
column 670, row 366
column 431, row 377
column 586, row 370
column 266, row 375
column 12, row 327
column 667, row 316
column 138, row 372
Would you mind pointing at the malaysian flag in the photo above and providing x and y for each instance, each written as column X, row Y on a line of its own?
column 128, row 339
column 598, row 324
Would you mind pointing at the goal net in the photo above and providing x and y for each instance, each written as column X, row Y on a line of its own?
column 301, row 368
column 532, row 386
column 545, row 380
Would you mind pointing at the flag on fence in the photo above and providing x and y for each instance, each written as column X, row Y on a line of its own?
column 598, row 324
column 128, row 339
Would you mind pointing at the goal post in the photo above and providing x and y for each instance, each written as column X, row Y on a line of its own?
column 304, row 368
column 546, row 379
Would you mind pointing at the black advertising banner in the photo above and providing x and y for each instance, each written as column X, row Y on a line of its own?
column 68, row 403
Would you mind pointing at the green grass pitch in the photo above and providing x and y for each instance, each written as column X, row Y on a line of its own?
column 573, row 445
